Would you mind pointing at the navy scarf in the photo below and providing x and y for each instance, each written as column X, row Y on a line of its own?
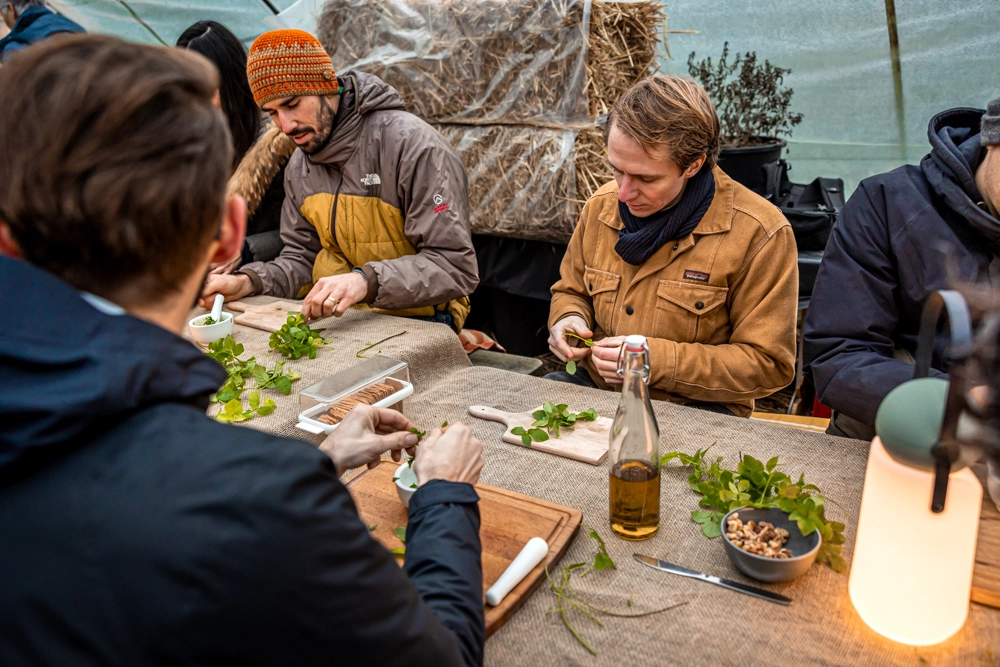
column 641, row 237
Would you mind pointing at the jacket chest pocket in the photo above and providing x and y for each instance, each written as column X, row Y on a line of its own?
column 603, row 290
column 688, row 313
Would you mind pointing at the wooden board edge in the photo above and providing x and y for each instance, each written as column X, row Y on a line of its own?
column 547, row 449
column 985, row 597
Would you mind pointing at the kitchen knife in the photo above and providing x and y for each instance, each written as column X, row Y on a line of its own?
column 664, row 566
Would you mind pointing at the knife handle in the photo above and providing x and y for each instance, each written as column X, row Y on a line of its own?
column 752, row 590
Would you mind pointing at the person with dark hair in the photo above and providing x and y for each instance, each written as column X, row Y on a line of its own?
column 260, row 150
column 675, row 250
column 30, row 21
column 901, row 236
column 136, row 530
column 376, row 211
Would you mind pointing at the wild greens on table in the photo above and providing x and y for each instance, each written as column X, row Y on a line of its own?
column 226, row 351
column 551, row 418
column 760, row 485
column 568, row 599
column 295, row 339
column 571, row 364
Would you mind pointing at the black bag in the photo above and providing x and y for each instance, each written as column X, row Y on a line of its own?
column 811, row 209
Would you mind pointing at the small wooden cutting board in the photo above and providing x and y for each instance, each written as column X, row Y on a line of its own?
column 269, row 316
column 508, row 521
column 586, row 441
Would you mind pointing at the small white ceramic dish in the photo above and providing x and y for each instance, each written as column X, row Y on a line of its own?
column 405, row 478
column 210, row 333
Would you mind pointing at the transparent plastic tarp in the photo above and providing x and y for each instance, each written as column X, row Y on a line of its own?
column 469, row 61
column 521, row 179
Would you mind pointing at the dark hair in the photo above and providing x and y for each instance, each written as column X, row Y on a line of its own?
column 115, row 162
column 217, row 43
column 667, row 110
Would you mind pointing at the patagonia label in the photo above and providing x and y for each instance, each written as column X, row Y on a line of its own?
column 700, row 276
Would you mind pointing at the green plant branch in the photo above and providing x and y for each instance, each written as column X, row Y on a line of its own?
column 365, row 349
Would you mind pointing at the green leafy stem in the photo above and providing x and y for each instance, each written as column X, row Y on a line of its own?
column 551, row 418
column 359, row 354
column 760, row 485
column 571, row 364
column 295, row 339
column 227, row 352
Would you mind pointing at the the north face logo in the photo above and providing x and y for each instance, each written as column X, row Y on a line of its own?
column 370, row 180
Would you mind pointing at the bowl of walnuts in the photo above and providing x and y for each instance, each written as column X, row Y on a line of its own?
column 766, row 545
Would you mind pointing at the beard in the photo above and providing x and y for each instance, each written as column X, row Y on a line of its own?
column 321, row 132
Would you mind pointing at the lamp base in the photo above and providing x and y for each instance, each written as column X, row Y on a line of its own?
column 911, row 572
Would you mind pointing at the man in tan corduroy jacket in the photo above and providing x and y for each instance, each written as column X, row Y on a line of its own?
column 677, row 251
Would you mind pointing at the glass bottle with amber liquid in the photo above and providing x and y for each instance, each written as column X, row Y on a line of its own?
column 635, row 449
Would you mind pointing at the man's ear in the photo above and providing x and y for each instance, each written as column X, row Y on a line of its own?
column 695, row 167
column 231, row 234
column 8, row 246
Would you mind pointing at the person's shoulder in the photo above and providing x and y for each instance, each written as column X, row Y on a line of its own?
column 749, row 208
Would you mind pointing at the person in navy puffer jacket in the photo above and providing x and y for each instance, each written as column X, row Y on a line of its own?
column 901, row 236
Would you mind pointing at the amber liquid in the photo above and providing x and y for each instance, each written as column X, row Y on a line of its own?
column 635, row 500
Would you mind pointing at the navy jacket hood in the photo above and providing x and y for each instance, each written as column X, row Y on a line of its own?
column 950, row 167
column 70, row 370
column 33, row 25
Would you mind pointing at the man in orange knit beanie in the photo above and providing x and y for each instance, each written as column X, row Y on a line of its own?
column 376, row 211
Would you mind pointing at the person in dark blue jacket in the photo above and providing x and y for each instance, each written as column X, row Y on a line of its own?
column 901, row 236
column 135, row 529
column 30, row 21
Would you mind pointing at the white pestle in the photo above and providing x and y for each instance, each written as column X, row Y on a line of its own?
column 217, row 308
column 531, row 555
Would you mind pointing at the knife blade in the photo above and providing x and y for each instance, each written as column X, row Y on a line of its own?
column 664, row 566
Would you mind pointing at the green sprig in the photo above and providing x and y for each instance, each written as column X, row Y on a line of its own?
column 760, row 485
column 295, row 339
column 571, row 364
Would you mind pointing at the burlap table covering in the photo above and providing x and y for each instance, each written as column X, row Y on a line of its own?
column 432, row 351
column 716, row 626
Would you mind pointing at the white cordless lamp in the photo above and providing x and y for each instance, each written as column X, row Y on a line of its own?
column 911, row 572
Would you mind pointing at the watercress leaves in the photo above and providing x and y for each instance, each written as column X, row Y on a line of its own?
column 226, row 351
column 762, row 485
column 400, row 533
column 571, row 364
column 551, row 417
column 295, row 339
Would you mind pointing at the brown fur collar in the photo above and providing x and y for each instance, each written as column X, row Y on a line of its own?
column 259, row 166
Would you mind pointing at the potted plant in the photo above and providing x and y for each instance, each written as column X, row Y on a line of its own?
column 753, row 111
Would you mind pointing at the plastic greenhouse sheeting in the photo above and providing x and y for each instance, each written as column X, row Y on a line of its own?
column 838, row 51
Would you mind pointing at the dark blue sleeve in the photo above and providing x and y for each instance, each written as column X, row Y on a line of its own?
column 847, row 338
column 444, row 560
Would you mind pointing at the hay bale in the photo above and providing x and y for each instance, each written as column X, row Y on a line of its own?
column 623, row 42
column 521, row 179
column 467, row 61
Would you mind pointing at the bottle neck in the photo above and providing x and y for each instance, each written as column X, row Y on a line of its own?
column 634, row 370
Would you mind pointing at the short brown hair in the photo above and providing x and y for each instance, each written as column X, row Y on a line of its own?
column 667, row 110
column 113, row 162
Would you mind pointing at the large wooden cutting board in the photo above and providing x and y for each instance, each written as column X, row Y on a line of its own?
column 586, row 441
column 269, row 316
column 509, row 520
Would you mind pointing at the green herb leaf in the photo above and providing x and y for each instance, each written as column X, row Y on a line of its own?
column 372, row 528
column 526, row 439
column 571, row 367
column 398, row 551
column 254, row 400
column 414, row 485
column 400, row 533
column 267, row 408
column 517, row 430
column 538, row 435
column 589, row 342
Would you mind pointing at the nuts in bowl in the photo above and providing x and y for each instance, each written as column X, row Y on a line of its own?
column 761, row 539
column 766, row 545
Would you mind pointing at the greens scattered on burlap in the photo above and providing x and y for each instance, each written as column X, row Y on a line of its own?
column 295, row 339
column 571, row 364
column 568, row 599
column 226, row 351
column 551, row 418
column 760, row 485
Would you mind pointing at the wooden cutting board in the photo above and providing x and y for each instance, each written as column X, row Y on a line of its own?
column 986, row 575
column 269, row 316
column 586, row 441
column 509, row 520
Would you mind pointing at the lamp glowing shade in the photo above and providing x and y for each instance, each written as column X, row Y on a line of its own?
column 911, row 573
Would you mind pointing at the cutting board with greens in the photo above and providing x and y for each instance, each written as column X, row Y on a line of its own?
column 268, row 317
column 508, row 521
column 555, row 429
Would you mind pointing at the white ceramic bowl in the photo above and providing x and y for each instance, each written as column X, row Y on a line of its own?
column 405, row 478
column 213, row 332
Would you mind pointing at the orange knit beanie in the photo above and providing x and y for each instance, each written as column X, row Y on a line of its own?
column 289, row 63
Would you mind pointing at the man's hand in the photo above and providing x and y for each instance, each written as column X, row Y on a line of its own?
column 364, row 434
column 334, row 295
column 453, row 455
column 564, row 348
column 231, row 286
column 228, row 267
column 606, row 353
